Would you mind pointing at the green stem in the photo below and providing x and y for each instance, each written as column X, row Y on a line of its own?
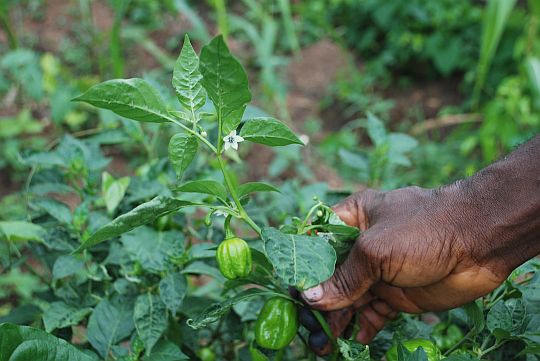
column 203, row 139
column 234, row 196
column 482, row 353
column 459, row 343
column 228, row 232
column 328, row 332
column 308, row 216
column 5, row 24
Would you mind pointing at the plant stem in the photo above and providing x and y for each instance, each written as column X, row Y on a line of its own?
column 308, row 216
column 459, row 343
column 203, row 139
column 328, row 333
column 234, row 196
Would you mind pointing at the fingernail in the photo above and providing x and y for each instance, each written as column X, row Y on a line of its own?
column 314, row 294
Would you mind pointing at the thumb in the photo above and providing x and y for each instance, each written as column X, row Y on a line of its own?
column 350, row 281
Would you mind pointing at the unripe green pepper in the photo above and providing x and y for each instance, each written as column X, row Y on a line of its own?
column 207, row 354
column 446, row 336
column 277, row 323
column 432, row 351
column 234, row 258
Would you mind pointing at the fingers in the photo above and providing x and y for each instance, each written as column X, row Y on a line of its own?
column 337, row 321
column 355, row 210
column 372, row 319
column 350, row 281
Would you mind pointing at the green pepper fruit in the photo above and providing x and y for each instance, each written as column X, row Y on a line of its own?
column 277, row 323
column 446, row 336
column 234, row 258
column 207, row 354
column 432, row 351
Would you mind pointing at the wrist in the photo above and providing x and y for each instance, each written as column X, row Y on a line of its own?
column 499, row 209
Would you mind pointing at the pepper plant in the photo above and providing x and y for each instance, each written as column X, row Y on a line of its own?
column 110, row 274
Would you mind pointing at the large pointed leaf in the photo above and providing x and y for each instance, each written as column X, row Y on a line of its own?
column 182, row 151
column 225, row 81
column 143, row 214
column 252, row 187
column 300, row 261
column 22, row 343
column 187, row 79
column 109, row 324
column 150, row 318
column 268, row 131
column 131, row 98
column 205, row 186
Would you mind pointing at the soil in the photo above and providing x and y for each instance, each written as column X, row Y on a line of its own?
column 308, row 75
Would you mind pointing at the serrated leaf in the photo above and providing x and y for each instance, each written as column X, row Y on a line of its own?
column 22, row 343
column 166, row 351
column 225, row 82
column 252, row 187
column 205, row 186
column 131, row 98
column 268, row 131
column 300, row 261
column 142, row 214
column 109, row 324
column 18, row 231
column 187, row 79
column 150, row 316
column 182, row 151
column 218, row 310
column 172, row 290
column 60, row 315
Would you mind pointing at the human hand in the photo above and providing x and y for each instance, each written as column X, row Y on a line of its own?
column 420, row 250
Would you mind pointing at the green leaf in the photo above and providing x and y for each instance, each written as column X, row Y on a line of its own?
column 182, row 151
column 153, row 249
column 109, row 324
column 18, row 231
column 150, row 318
column 533, row 72
column 268, row 131
column 113, row 190
column 166, row 351
column 252, row 187
column 131, row 98
column 201, row 268
column 474, row 311
column 353, row 351
column 60, row 315
column 376, row 130
column 225, row 82
column 67, row 265
column 499, row 320
column 143, row 214
column 172, row 290
column 55, row 209
column 218, row 310
column 205, row 186
column 300, row 261
column 22, row 343
column 187, row 79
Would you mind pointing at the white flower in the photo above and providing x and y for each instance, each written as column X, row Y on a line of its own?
column 221, row 214
column 304, row 138
column 232, row 140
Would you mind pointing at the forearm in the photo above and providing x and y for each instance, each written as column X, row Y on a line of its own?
column 502, row 206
